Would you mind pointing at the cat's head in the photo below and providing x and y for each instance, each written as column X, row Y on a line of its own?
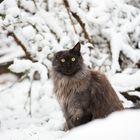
column 68, row 62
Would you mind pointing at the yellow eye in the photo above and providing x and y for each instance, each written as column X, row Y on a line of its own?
column 73, row 59
column 62, row 60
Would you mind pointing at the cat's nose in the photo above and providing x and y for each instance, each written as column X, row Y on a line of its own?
column 68, row 65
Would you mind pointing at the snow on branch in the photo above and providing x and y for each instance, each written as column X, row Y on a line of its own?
column 120, row 43
column 27, row 54
column 125, row 82
column 68, row 21
column 23, row 66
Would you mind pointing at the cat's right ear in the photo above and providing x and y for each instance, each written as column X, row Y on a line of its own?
column 76, row 48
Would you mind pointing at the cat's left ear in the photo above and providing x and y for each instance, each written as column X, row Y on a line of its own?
column 76, row 48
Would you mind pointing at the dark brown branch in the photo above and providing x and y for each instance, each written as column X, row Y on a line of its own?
column 67, row 8
column 132, row 98
column 23, row 8
column 17, row 40
column 137, row 89
column 30, row 99
column 54, row 33
column 82, row 26
column 4, row 67
column 47, row 5
column 35, row 3
column 138, row 64
column 78, row 19
column 2, row 16
column 1, row 1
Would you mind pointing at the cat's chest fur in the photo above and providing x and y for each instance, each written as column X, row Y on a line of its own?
column 70, row 86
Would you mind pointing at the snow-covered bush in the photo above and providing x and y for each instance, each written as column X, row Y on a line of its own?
column 112, row 27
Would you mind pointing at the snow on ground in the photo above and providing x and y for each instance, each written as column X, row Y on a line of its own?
column 16, row 124
column 47, row 120
column 118, row 126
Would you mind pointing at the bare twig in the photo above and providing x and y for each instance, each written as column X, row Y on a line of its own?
column 23, row 8
column 2, row 15
column 17, row 40
column 67, row 8
column 76, row 16
column 132, row 98
column 4, row 67
column 138, row 64
column 29, row 99
column 1, row 1
column 35, row 3
column 10, row 86
column 47, row 4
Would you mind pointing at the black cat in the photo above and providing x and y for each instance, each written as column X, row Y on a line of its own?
column 83, row 94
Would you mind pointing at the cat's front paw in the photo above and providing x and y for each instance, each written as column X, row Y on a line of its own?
column 79, row 120
column 66, row 127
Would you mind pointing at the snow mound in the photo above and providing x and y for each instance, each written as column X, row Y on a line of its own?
column 118, row 126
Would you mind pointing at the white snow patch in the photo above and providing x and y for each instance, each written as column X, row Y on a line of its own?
column 118, row 126
column 29, row 32
column 20, row 65
column 126, row 82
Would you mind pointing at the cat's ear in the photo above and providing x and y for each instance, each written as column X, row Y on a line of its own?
column 76, row 48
